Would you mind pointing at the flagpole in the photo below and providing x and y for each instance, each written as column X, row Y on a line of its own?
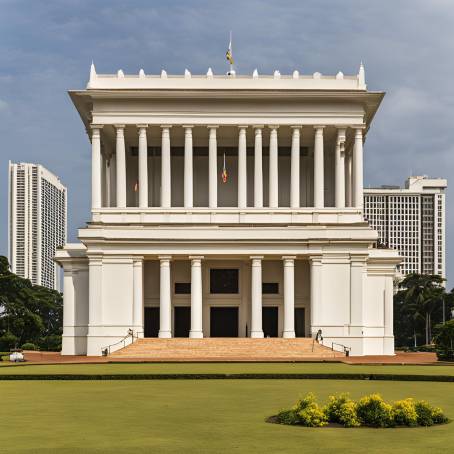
column 230, row 47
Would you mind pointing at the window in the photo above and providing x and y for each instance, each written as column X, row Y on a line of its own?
column 224, row 281
column 182, row 288
column 270, row 288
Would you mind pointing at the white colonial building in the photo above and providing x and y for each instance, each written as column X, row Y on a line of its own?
column 279, row 249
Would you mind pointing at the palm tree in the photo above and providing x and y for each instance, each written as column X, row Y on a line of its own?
column 423, row 293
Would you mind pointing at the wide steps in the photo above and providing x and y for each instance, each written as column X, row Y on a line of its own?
column 225, row 349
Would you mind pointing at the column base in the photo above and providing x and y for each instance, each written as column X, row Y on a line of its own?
column 196, row 334
column 257, row 334
column 288, row 334
column 164, row 334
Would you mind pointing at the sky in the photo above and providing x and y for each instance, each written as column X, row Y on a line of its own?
column 46, row 48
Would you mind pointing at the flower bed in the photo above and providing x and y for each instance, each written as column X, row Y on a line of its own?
column 369, row 411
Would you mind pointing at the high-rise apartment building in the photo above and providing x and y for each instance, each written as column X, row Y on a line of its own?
column 412, row 220
column 37, row 223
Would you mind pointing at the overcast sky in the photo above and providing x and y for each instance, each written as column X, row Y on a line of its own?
column 46, row 48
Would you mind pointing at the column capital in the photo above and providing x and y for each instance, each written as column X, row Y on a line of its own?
column 273, row 127
column 187, row 126
column 212, row 126
column 319, row 128
column 165, row 126
column 196, row 257
column 289, row 257
column 256, row 257
column 358, row 127
column 296, row 126
column 242, row 127
column 258, row 127
column 137, row 260
column 119, row 127
column 165, row 258
column 316, row 259
column 142, row 126
column 96, row 126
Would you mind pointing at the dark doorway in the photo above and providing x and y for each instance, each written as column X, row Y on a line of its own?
column 224, row 281
column 182, row 321
column 151, row 325
column 299, row 322
column 224, row 322
column 269, row 321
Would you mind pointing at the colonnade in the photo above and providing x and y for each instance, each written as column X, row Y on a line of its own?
column 348, row 185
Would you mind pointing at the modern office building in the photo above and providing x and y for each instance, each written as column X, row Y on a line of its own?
column 37, row 223
column 227, row 206
column 412, row 220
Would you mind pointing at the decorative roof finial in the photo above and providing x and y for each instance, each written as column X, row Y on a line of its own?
column 255, row 74
column 339, row 75
column 120, row 74
column 141, row 73
column 92, row 71
column 361, row 76
column 163, row 74
column 209, row 73
column 277, row 74
column 187, row 74
column 296, row 74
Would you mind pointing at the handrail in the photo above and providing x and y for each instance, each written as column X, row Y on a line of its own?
column 106, row 350
column 346, row 349
column 318, row 338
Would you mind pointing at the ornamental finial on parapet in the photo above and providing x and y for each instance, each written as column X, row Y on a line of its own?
column 361, row 77
column 93, row 74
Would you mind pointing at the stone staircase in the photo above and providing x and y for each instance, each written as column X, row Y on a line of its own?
column 226, row 349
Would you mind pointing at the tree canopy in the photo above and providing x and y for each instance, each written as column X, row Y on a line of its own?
column 28, row 313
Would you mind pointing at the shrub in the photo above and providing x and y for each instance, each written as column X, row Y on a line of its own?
column 8, row 341
column 373, row 411
column 404, row 413
column 342, row 410
column 444, row 340
column 428, row 415
column 288, row 417
column 309, row 412
column 29, row 346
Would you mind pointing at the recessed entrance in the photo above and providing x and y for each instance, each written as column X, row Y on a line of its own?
column 151, row 322
column 270, row 321
column 182, row 321
column 224, row 322
column 299, row 322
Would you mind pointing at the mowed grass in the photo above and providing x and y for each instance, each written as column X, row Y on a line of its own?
column 226, row 368
column 200, row 416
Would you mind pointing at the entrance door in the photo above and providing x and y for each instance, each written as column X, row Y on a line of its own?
column 269, row 321
column 151, row 322
column 299, row 322
column 224, row 322
column 182, row 321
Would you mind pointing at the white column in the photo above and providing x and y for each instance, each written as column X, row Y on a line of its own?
column 68, row 341
column 348, row 178
column 121, row 166
column 113, row 181
column 196, row 297
column 388, row 306
column 212, row 167
column 166, row 183
column 319, row 184
column 242, row 169
column 273, row 169
column 96, row 166
column 165, row 301
column 256, row 297
column 295, row 168
column 258, row 168
column 339, row 169
column 94, row 304
column 108, row 186
column 357, row 273
column 137, row 277
column 188, row 167
column 143, row 166
column 289, row 296
column 316, row 292
column 358, row 169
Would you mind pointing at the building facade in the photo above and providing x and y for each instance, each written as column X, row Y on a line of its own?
column 37, row 223
column 411, row 220
column 226, row 206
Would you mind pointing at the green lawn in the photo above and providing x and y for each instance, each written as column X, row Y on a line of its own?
column 191, row 368
column 200, row 416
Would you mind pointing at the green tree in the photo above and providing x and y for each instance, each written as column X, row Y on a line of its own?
column 420, row 303
column 444, row 340
column 29, row 313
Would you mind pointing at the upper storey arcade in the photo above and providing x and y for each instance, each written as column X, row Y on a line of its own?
column 292, row 147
